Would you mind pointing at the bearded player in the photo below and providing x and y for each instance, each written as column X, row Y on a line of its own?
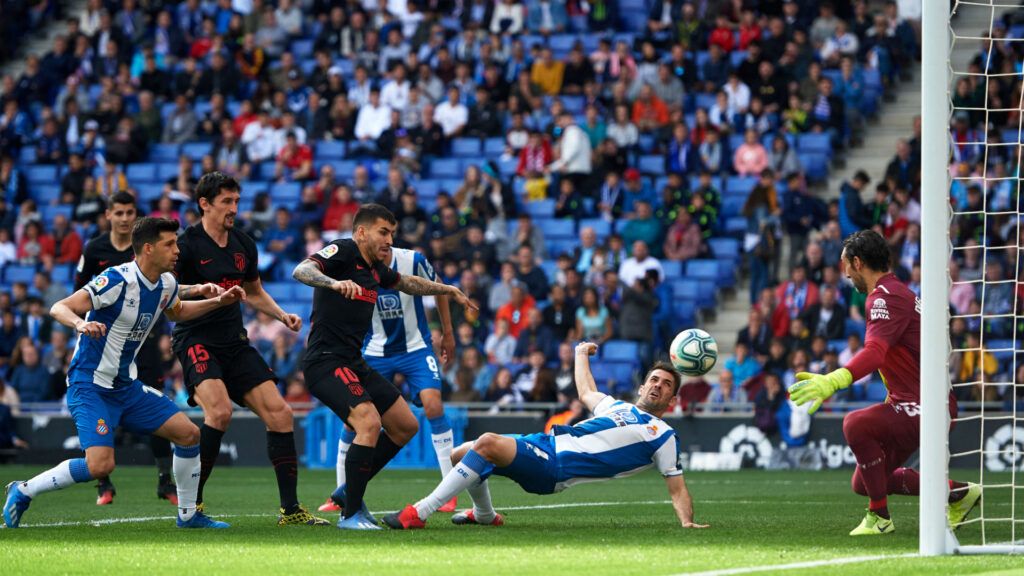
column 621, row 439
column 883, row 436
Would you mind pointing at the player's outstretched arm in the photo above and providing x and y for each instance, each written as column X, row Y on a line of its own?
column 259, row 299
column 681, row 501
column 585, row 384
column 184, row 311
column 417, row 286
column 194, row 291
column 70, row 312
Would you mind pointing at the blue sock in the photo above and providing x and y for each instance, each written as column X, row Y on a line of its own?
column 439, row 425
column 348, row 436
column 476, row 463
column 79, row 470
column 186, row 451
column 67, row 473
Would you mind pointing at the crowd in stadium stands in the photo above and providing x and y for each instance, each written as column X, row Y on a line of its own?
column 592, row 170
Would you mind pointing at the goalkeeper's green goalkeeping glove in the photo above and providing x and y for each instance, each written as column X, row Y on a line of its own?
column 818, row 387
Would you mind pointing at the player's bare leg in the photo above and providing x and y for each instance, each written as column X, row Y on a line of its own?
column 441, row 436
column 487, row 452
column 212, row 397
column 179, row 430
column 266, row 401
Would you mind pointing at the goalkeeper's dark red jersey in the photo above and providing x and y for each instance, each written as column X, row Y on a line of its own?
column 893, row 342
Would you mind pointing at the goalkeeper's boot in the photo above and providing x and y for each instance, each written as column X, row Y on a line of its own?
column 961, row 509
column 300, row 517
column 339, row 497
column 166, row 490
column 329, row 506
column 450, row 506
column 105, row 492
column 358, row 521
column 406, row 519
column 873, row 525
column 200, row 520
column 15, row 505
column 469, row 517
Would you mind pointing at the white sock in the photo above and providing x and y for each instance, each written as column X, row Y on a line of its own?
column 339, row 467
column 186, row 476
column 443, row 449
column 60, row 476
column 483, row 510
column 463, row 475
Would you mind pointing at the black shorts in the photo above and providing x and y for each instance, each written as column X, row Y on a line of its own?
column 342, row 384
column 240, row 366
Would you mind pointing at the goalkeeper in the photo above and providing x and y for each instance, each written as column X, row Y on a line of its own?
column 883, row 436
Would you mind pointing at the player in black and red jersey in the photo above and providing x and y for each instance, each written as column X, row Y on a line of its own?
column 885, row 435
column 111, row 249
column 219, row 364
column 347, row 275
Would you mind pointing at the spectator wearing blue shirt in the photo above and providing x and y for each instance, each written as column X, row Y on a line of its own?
column 282, row 240
column 636, row 190
column 30, row 378
column 725, row 392
column 742, row 365
column 535, row 337
column 644, row 227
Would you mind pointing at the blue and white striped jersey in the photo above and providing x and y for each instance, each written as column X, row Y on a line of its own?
column 128, row 304
column 399, row 321
column 619, row 441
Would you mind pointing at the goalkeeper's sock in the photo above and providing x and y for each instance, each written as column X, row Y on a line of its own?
column 465, row 474
column 442, row 438
column 347, row 437
column 957, row 491
column 483, row 510
column 880, row 507
column 67, row 473
column 905, row 482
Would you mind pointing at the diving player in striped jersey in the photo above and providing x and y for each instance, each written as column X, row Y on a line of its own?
column 120, row 307
column 621, row 439
column 399, row 343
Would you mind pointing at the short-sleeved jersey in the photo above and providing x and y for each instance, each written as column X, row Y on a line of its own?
column 338, row 324
column 128, row 304
column 202, row 260
column 619, row 441
column 98, row 255
column 894, row 317
column 399, row 321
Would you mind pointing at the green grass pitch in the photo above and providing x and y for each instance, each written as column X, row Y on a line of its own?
column 759, row 520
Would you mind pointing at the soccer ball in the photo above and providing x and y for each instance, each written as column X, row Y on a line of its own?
column 693, row 352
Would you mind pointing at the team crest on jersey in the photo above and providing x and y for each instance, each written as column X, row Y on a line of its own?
column 101, row 427
column 240, row 261
column 100, row 282
column 328, row 251
column 652, row 429
column 163, row 302
column 879, row 310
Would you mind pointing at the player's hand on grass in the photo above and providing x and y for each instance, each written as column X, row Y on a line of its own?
column 692, row 524
column 209, row 290
column 817, row 388
column 348, row 289
column 586, row 348
column 91, row 329
column 292, row 321
column 229, row 297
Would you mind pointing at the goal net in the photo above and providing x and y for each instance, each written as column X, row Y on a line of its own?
column 980, row 166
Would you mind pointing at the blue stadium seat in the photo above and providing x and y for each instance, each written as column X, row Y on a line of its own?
column 279, row 291
column 62, row 273
column 620, row 351
column 49, row 212
column 838, row 344
column 41, row 174
column 466, row 147
column 725, row 248
column 739, row 185
column 646, row 143
column 286, row 193
column 707, row 294
column 150, row 191
column 702, row 269
column 876, row 392
column 819, row 142
column 345, row 169
column 735, row 226
column 549, row 267
column 652, row 164
column 27, row 156
column 330, row 150
column 46, row 193
column 161, row 152
column 815, row 165
column 574, row 104
column 19, row 273
column 540, row 208
column 732, row 205
column 672, row 268
column 141, row 173
column 855, row 327
column 302, row 50
column 601, row 227
column 559, row 228
column 494, row 147
column 165, row 172
column 685, row 288
column 558, row 246
column 427, row 188
column 562, row 42
column 445, row 168
column 196, row 150
column 507, row 166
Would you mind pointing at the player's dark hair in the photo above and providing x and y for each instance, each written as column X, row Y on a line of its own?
column 870, row 247
column 121, row 197
column 147, row 231
column 677, row 378
column 370, row 213
column 212, row 184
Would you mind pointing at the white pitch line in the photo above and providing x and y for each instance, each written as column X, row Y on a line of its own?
column 798, row 565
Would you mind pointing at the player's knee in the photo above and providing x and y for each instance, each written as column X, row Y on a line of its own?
column 486, row 444
column 854, row 426
column 100, row 466
column 433, row 407
column 365, row 420
column 857, row 485
column 280, row 418
column 218, row 416
column 188, row 436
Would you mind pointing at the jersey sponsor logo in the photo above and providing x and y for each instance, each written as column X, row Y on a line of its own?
column 911, row 409
column 879, row 310
column 138, row 332
column 229, row 283
column 367, row 296
column 240, row 261
column 624, row 418
column 328, row 251
column 101, row 427
column 390, row 307
column 205, row 262
column 100, row 282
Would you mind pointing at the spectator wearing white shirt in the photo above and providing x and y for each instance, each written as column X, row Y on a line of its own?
column 841, row 43
column 359, row 92
column 259, row 138
column 395, row 94
column 288, row 125
column 374, row 118
column 451, row 115
column 738, row 94
column 289, row 17
column 636, row 266
column 508, row 18
column 574, row 152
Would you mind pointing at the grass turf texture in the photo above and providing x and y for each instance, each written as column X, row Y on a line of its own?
column 759, row 519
